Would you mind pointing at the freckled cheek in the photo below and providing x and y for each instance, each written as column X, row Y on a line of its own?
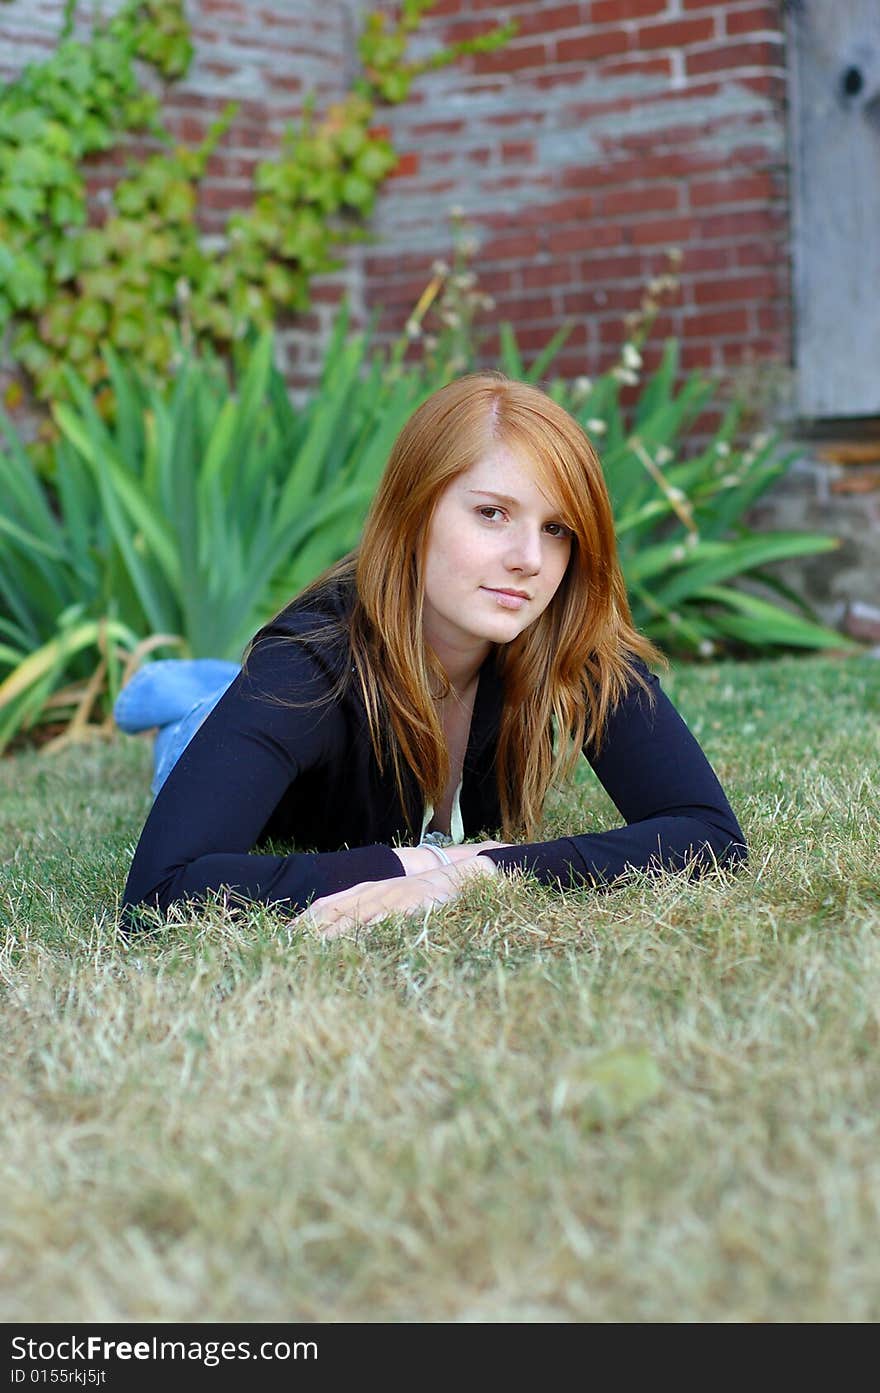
column 462, row 560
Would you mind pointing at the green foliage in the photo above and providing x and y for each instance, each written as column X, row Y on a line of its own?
column 52, row 118
column 201, row 510
column 68, row 291
column 192, row 515
column 383, row 51
column 681, row 536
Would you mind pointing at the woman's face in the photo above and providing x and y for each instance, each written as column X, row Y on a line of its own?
column 493, row 532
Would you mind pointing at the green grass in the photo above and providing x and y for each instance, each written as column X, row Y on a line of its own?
column 657, row 1103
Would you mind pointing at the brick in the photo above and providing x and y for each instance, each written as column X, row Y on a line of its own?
column 677, row 33
column 389, row 322
column 607, row 298
column 513, row 118
column 393, row 261
column 533, row 309
column 282, row 82
column 403, row 292
column 728, row 57
column 190, row 130
column 441, row 157
column 636, row 67
column 718, row 192
column 772, row 317
column 438, row 186
column 582, row 177
column 216, row 68
column 519, row 181
column 533, row 340
column 584, row 47
column 219, row 197
column 707, row 425
column 613, row 11
column 227, row 9
column 544, row 21
column 612, row 330
column 577, row 239
column 738, row 223
column 510, row 248
column 764, row 17
column 661, row 231
column 494, row 4
column 761, row 253
column 510, row 59
column 256, row 137
column 517, row 151
column 752, row 351
column 734, row 321
column 326, row 293
column 570, row 365
column 610, row 268
column 496, row 282
column 695, row 259
column 539, row 275
column 308, row 323
column 674, row 164
column 772, row 85
column 667, row 325
column 465, row 29
column 656, row 198
column 426, row 128
column 407, row 164
column 559, row 211
column 614, row 298
column 222, row 166
column 189, row 101
column 734, row 288
column 693, row 356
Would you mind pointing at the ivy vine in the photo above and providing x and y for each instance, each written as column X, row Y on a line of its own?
column 67, row 289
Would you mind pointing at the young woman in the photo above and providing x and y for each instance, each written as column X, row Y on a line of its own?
column 430, row 688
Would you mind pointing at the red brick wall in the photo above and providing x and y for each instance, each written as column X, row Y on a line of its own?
column 604, row 133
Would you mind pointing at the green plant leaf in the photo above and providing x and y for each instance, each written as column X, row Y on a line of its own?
column 711, row 562
column 763, row 624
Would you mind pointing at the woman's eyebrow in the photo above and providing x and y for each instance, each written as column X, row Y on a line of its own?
column 502, row 498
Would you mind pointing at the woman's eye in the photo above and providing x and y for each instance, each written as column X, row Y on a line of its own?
column 562, row 532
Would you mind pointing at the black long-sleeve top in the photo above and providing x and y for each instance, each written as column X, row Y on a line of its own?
column 258, row 770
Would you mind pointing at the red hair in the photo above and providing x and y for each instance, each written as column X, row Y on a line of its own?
column 563, row 673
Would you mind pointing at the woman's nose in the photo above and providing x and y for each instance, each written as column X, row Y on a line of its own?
column 524, row 552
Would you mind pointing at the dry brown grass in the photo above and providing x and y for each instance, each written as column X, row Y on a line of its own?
column 656, row 1103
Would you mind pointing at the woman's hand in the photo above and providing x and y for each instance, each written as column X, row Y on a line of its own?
column 416, row 859
column 372, row 900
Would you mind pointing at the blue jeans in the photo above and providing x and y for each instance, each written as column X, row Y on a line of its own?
column 175, row 695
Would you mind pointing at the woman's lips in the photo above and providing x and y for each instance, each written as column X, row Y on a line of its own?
column 505, row 600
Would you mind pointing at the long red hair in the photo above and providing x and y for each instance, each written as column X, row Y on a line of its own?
column 563, row 674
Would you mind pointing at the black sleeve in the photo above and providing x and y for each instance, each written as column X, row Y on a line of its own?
column 663, row 786
column 222, row 791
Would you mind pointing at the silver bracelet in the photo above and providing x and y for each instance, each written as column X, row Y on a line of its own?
column 438, row 851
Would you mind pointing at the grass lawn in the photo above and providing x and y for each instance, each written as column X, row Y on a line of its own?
column 656, row 1103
